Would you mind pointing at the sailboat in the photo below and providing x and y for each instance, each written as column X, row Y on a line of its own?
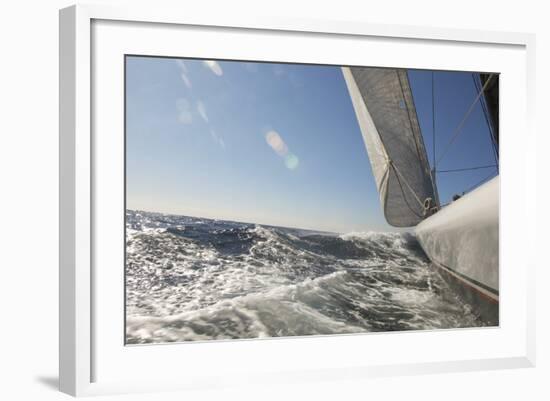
column 461, row 238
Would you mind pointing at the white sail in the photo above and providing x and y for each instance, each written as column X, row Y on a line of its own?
column 384, row 107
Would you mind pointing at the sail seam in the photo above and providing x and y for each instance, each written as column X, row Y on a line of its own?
column 408, row 113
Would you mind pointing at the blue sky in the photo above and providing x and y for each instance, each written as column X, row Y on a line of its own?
column 274, row 143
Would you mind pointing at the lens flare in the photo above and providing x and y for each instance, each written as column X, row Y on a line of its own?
column 214, row 66
column 291, row 161
column 202, row 110
column 279, row 146
column 276, row 142
column 184, row 74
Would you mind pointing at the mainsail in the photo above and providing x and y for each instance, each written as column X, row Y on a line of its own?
column 385, row 110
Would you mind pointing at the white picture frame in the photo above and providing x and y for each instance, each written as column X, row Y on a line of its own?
column 84, row 341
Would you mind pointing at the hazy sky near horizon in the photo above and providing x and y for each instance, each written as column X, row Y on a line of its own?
column 274, row 144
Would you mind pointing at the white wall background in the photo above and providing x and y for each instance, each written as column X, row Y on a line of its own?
column 29, row 196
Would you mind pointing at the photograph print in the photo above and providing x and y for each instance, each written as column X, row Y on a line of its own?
column 268, row 199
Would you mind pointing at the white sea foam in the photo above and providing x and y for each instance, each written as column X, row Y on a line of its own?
column 199, row 279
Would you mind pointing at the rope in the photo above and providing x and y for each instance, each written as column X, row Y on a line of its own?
column 480, row 182
column 486, row 115
column 433, row 173
column 403, row 192
column 459, row 127
column 433, row 120
column 466, row 169
column 487, row 178
column 411, row 125
column 398, row 173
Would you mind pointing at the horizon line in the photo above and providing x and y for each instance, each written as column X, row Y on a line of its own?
column 236, row 221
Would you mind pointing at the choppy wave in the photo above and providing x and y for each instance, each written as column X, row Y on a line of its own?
column 199, row 279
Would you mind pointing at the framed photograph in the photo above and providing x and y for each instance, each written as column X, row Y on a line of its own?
column 235, row 192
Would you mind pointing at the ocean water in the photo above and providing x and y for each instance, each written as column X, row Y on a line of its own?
column 191, row 279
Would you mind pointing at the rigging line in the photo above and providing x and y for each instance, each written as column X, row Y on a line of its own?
column 477, row 84
column 483, row 104
column 466, row 169
column 398, row 173
column 486, row 115
column 459, row 127
column 481, row 182
column 433, row 121
column 403, row 191
column 409, row 114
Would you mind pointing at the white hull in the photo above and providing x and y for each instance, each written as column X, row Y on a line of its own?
column 462, row 239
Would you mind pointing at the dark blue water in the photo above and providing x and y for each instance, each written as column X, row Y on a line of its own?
column 199, row 279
